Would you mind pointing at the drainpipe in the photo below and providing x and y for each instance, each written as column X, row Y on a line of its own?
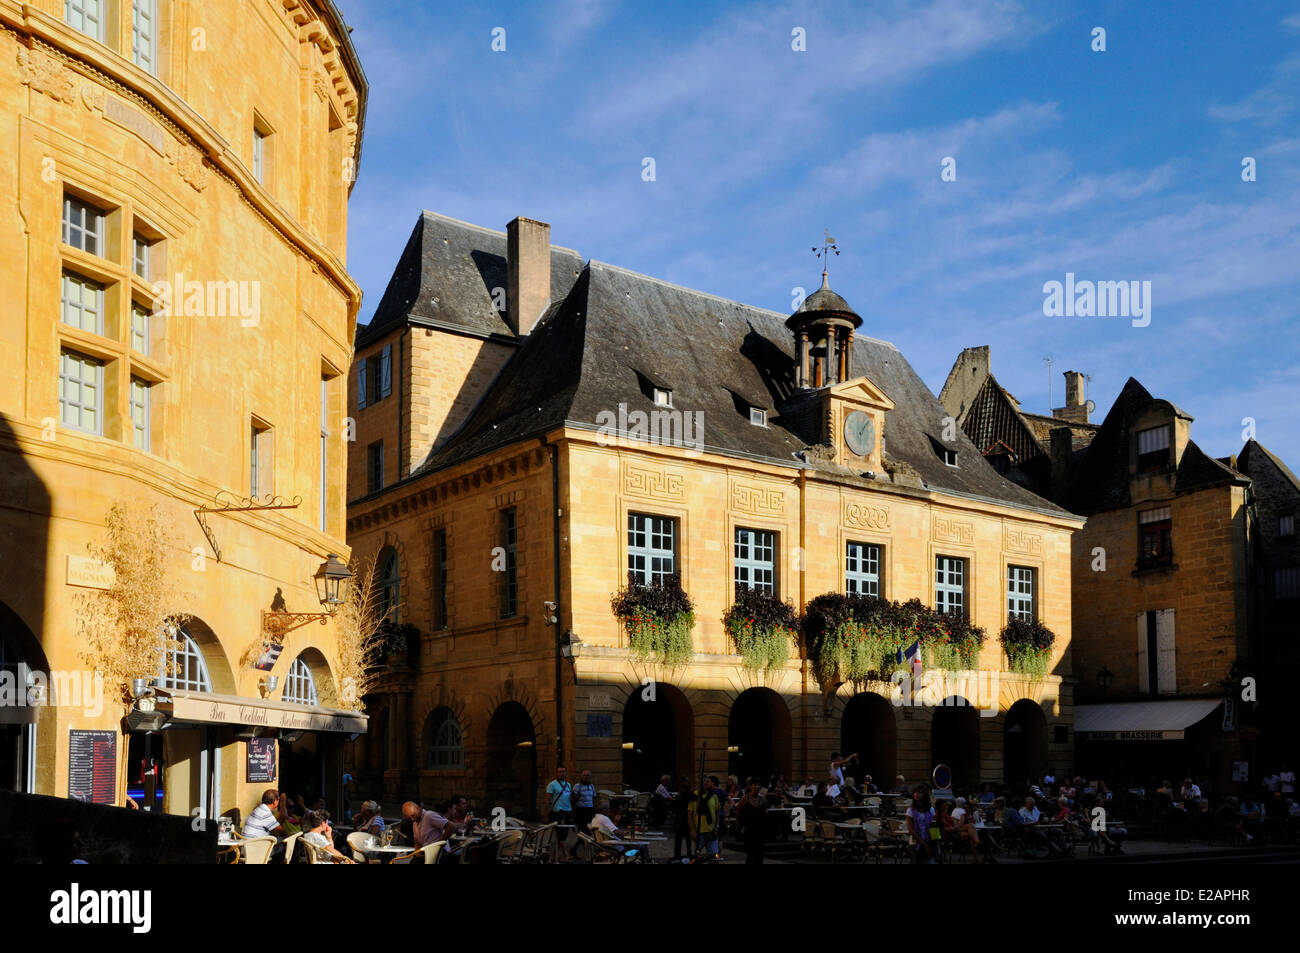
column 803, row 645
column 555, row 588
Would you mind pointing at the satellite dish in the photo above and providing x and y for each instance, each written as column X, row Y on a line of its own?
column 1091, row 405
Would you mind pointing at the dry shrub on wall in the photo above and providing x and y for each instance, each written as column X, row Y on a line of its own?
column 360, row 641
column 125, row 627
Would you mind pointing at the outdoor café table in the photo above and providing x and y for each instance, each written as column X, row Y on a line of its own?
column 386, row 852
column 226, row 843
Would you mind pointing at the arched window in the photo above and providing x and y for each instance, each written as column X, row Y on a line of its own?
column 299, row 685
column 390, row 585
column 446, row 743
column 181, row 664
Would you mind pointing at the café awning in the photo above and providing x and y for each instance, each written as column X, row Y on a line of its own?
column 1155, row 720
column 203, row 708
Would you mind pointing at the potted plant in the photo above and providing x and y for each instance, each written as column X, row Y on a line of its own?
column 658, row 619
column 396, row 640
column 761, row 626
column 1028, row 644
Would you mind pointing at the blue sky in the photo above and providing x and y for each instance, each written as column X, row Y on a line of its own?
column 1116, row 165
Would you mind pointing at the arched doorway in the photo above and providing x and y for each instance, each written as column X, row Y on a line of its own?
column 867, row 727
column 512, row 760
column 759, row 726
column 1024, row 743
column 955, row 741
column 660, row 727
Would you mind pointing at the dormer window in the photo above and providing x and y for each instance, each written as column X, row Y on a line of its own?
column 1153, row 449
column 663, row 397
column 758, row 417
column 1286, row 525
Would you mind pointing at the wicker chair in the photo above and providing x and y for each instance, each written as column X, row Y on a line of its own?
column 257, row 849
column 290, row 843
column 538, row 845
column 430, row 853
column 601, row 853
column 357, row 840
column 512, row 842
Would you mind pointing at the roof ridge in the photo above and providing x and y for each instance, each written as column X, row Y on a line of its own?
column 500, row 233
column 706, row 294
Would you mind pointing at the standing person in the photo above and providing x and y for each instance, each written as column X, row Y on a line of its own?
column 708, row 818
column 682, row 812
column 752, row 816
column 1287, row 777
column 836, row 775
column 584, row 801
column 920, row 822
column 660, row 800
column 560, row 792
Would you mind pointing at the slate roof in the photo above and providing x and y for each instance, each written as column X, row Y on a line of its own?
column 445, row 276
column 617, row 330
column 1100, row 480
column 1246, row 462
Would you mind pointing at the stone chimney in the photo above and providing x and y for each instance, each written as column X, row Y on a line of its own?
column 528, row 273
column 1062, row 447
column 1076, row 408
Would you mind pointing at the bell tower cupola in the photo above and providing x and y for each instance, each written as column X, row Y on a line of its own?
column 823, row 333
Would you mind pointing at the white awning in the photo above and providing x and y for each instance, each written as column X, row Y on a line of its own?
column 1162, row 720
column 208, row 709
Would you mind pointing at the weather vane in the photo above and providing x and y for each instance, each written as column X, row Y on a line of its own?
column 824, row 252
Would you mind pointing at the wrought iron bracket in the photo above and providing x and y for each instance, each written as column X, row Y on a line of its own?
column 276, row 625
column 226, row 502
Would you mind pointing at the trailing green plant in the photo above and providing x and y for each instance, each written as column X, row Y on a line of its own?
column 1028, row 644
column 761, row 627
column 858, row 638
column 397, row 637
column 658, row 619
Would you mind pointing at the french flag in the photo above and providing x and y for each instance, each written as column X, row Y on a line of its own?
column 913, row 654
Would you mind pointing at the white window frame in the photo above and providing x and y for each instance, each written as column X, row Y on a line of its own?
column 141, row 400
column 754, row 559
column 862, row 564
column 651, row 547
column 83, row 225
column 76, row 13
column 1167, row 655
column 663, row 397
column 66, row 400
column 189, row 666
column 140, row 256
column 1021, row 583
column 73, row 310
column 140, row 321
column 300, row 685
column 950, row 584
column 144, row 35
column 758, row 416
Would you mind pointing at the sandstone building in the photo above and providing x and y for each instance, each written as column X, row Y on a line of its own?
column 210, row 146
column 532, row 427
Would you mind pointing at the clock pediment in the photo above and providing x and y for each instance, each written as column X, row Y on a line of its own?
column 860, row 390
column 855, row 420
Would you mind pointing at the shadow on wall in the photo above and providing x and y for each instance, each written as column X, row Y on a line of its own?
column 24, row 559
column 52, row 830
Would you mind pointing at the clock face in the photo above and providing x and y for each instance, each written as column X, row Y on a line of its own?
column 860, row 433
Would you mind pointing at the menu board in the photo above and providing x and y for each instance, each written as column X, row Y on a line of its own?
column 261, row 760
column 92, row 766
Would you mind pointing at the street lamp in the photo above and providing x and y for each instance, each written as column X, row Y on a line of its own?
column 332, row 581
column 570, row 646
column 1104, row 678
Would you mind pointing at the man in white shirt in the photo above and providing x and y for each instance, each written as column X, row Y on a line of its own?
column 1288, row 779
column 1029, row 814
column 262, row 822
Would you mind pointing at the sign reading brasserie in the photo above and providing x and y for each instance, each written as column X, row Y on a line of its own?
column 92, row 766
column 1129, row 735
column 261, row 760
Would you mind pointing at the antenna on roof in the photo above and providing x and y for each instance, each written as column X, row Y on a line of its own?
column 1048, row 361
column 824, row 252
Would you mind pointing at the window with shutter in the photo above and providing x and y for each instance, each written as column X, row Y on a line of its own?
column 362, row 377
column 386, row 371
column 1144, row 670
column 1167, row 673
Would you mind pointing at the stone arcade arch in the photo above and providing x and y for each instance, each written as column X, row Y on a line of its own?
column 955, row 741
column 659, row 724
column 868, row 727
column 760, row 726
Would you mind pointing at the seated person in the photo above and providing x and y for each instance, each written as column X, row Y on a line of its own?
column 958, row 827
column 368, row 820
column 823, row 799
column 1030, row 818
column 263, row 822
column 319, row 836
column 1251, row 815
column 869, row 786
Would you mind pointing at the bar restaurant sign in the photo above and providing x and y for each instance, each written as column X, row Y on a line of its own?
column 1129, row 735
column 215, row 711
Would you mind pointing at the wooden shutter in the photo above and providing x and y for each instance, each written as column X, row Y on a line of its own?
column 361, row 383
column 1167, row 672
column 1144, row 684
column 386, row 371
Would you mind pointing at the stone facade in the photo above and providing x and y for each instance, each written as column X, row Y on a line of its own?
column 165, row 151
